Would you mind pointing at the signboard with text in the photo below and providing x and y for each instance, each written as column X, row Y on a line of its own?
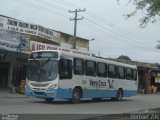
column 34, row 46
column 28, row 28
column 12, row 41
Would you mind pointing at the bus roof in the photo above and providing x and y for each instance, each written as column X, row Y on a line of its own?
column 88, row 56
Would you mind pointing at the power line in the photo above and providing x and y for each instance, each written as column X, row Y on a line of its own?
column 113, row 32
column 41, row 8
column 50, row 4
column 52, row 11
column 64, row 15
column 117, row 38
column 111, row 25
column 101, row 19
column 68, row 4
column 104, row 21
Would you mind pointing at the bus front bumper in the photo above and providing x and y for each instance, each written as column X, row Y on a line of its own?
column 55, row 94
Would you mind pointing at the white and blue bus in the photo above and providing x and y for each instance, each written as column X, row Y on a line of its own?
column 54, row 74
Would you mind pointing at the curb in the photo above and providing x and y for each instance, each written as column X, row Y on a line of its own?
column 12, row 95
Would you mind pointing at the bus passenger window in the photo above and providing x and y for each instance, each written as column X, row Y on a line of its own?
column 121, row 72
column 78, row 66
column 65, row 69
column 101, row 70
column 129, row 74
column 90, row 68
column 112, row 71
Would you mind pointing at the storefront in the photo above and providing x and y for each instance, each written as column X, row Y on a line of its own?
column 148, row 80
column 4, row 68
column 12, row 69
column 12, row 61
column 155, row 81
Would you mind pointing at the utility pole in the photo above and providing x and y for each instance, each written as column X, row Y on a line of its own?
column 75, row 24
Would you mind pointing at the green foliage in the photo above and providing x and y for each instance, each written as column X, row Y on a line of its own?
column 123, row 57
column 151, row 8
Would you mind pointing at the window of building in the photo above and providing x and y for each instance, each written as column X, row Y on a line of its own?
column 129, row 74
column 90, row 68
column 112, row 71
column 121, row 72
column 65, row 69
column 78, row 66
column 101, row 70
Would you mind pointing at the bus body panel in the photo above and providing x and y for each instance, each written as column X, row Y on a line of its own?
column 92, row 87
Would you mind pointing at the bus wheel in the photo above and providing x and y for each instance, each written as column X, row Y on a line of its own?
column 119, row 95
column 49, row 100
column 76, row 96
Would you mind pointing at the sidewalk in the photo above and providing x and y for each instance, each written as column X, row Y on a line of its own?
column 5, row 93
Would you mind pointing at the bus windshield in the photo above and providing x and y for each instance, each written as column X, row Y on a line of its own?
column 42, row 70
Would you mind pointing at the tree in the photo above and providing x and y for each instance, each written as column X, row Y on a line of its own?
column 151, row 9
column 123, row 57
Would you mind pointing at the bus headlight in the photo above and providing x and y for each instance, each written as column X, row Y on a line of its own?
column 52, row 87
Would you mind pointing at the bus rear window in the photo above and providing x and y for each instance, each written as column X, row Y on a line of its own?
column 36, row 55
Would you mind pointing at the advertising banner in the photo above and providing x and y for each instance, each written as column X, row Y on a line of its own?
column 12, row 41
column 34, row 46
column 28, row 28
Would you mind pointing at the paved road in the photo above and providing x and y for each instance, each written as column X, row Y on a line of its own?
column 38, row 106
column 86, row 109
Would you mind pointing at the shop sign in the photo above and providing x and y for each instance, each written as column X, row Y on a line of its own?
column 34, row 46
column 28, row 28
column 12, row 41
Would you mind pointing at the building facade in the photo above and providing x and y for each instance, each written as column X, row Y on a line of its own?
column 19, row 38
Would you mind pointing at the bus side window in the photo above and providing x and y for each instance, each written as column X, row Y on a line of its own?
column 101, row 70
column 78, row 66
column 134, row 74
column 112, row 73
column 129, row 74
column 90, row 68
column 65, row 69
column 121, row 72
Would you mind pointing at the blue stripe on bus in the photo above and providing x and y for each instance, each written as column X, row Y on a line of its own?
column 99, row 93
column 129, row 93
column 67, row 93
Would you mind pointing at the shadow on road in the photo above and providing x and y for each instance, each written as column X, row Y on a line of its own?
column 62, row 102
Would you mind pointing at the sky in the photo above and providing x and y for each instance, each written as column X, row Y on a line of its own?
column 104, row 21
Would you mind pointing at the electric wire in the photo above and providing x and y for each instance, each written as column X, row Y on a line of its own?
column 42, row 8
column 64, row 15
column 104, row 21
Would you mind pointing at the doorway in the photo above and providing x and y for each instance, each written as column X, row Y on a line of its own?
column 4, row 67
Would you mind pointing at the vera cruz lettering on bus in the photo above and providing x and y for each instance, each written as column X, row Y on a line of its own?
column 97, row 83
column 110, row 83
column 102, row 83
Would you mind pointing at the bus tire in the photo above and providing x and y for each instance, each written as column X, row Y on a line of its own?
column 119, row 95
column 49, row 100
column 76, row 96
